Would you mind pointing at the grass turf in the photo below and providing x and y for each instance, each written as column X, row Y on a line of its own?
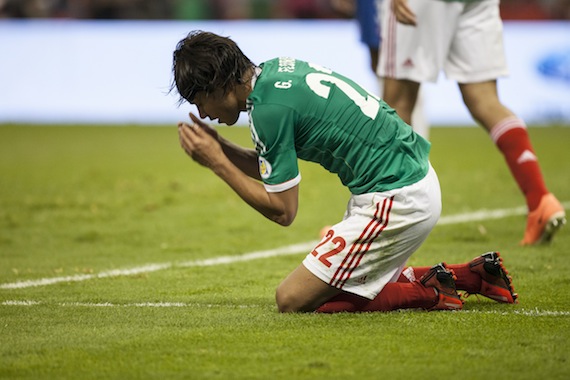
column 84, row 200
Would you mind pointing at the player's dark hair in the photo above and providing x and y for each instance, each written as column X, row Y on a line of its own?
column 204, row 61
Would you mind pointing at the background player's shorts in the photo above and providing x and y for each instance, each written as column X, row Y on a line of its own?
column 377, row 235
column 465, row 39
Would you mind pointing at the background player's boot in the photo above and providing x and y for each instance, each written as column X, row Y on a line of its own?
column 495, row 281
column 442, row 280
column 543, row 222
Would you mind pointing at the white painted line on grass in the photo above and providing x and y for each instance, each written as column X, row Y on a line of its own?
column 524, row 312
column 287, row 250
column 136, row 304
column 20, row 303
column 480, row 215
column 282, row 251
column 82, row 277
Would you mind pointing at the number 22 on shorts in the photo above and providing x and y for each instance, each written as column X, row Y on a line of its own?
column 339, row 243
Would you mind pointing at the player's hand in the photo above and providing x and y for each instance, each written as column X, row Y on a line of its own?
column 206, row 127
column 200, row 145
column 403, row 12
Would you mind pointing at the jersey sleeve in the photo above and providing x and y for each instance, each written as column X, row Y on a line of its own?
column 273, row 133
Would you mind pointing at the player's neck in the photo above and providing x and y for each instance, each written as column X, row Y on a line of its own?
column 246, row 86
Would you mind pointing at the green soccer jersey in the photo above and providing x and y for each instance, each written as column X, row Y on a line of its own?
column 299, row 110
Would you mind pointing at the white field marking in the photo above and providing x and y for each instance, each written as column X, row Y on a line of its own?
column 524, row 312
column 481, row 215
column 20, row 303
column 527, row 313
column 486, row 215
column 136, row 304
column 287, row 250
column 282, row 251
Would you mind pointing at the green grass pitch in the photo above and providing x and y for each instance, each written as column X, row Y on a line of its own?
column 79, row 202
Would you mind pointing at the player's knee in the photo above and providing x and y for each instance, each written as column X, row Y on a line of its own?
column 287, row 301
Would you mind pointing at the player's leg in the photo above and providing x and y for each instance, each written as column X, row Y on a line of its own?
column 302, row 291
column 398, row 43
column 510, row 135
column 485, row 275
column 401, row 94
column 364, row 254
column 357, row 262
column 466, row 279
column 420, row 122
column 435, row 290
column 476, row 59
column 412, row 55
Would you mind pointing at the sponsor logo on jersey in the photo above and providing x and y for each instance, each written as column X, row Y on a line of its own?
column 264, row 168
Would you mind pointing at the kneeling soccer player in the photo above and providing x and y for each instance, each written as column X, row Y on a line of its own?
column 298, row 110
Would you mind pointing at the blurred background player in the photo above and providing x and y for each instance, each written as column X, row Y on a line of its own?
column 464, row 38
column 366, row 13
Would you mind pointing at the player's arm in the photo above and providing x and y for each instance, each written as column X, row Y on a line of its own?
column 245, row 159
column 205, row 149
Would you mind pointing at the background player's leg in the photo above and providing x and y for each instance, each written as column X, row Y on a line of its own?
column 420, row 123
column 418, row 118
column 401, row 95
column 511, row 137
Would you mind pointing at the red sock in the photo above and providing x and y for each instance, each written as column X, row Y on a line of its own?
column 466, row 279
column 511, row 137
column 394, row 296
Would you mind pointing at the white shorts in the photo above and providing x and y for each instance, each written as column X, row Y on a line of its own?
column 379, row 232
column 464, row 39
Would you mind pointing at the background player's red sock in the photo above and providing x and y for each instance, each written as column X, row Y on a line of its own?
column 466, row 279
column 511, row 137
column 394, row 296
